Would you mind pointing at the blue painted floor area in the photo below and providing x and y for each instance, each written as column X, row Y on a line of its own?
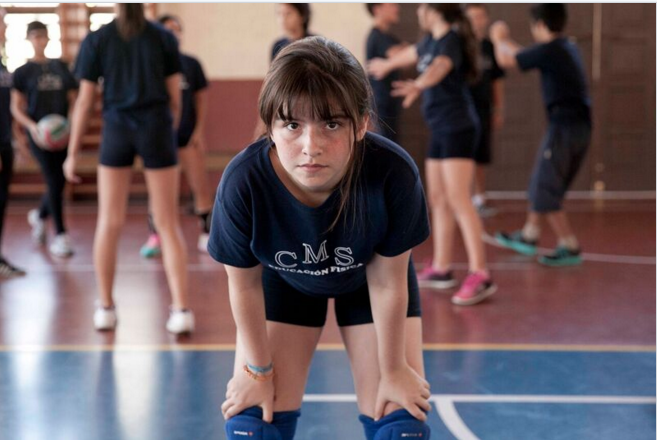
column 176, row 395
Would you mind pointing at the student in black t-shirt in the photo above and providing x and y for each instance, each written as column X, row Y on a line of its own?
column 7, row 270
column 294, row 19
column 191, row 143
column 42, row 87
column 140, row 66
column 319, row 209
column 382, row 44
column 564, row 146
column 488, row 95
column 447, row 59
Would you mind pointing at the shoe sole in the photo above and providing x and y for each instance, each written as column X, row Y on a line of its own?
column 440, row 285
column 572, row 261
column 523, row 249
column 477, row 299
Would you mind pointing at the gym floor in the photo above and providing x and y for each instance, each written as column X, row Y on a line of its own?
column 556, row 353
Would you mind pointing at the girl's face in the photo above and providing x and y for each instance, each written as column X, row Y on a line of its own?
column 314, row 154
column 427, row 17
column 289, row 18
column 389, row 12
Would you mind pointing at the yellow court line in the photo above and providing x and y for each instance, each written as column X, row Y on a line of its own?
column 323, row 347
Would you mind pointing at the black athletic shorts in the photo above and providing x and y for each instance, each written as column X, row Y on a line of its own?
column 147, row 133
column 284, row 303
column 558, row 160
column 453, row 145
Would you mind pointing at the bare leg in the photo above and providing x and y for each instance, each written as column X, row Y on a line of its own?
column 443, row 224
column 457, row 177
column 193, row 164
column 361, row 344
column 292, row 348
column 163, row 188
column 113, row 189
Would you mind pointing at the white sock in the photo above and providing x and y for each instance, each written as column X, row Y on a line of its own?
column 569, row 243
column 531, row 232
column 479, row 200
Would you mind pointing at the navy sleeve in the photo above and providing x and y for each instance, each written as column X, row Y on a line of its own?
column 87, row 65
column 172, row 64
column 70, row 83
column 408, row 220
column 533, row 57
column 18, row 80
column 422, row 45
column 200, row 82
column 232, row 223
column 496, row 71
column 371, row 46
column 453, row 50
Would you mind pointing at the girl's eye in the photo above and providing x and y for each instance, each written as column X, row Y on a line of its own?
column 332, row 125
column 291, row 126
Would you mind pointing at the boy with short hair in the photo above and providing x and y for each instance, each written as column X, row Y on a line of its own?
column 569, row 129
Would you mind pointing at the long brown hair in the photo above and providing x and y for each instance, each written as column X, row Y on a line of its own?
column 453, row 14
column 325, row 71
column 130, row 19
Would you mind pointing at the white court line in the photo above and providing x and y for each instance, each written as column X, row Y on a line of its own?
column 600, row 258
column 452, row 420
column 502, row 398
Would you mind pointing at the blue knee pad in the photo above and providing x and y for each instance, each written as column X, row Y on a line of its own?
column 397, row 425
column 249, row 425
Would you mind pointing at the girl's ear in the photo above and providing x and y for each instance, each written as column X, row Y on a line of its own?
column 363, row 127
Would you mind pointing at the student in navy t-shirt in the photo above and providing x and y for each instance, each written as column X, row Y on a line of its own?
column 382, row 44
column 320, row 209
column 191, row 143
column 43, row 87
column 294, row 19
column 140, row 66
column 7, row 270
column 565, row 94
column 488, row 96
column 446, row 60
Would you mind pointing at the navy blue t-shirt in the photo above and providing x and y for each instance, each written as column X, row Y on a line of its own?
column 378, row 43
column 280, row 44
column 45, row 86
column 193, row 80
column 563, row 79
column 447, row 106
column 256, row 220
column 134, row 72
column 5, row 112
column 489, row 71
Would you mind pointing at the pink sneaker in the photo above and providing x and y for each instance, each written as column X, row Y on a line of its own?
column 152, row 247
column 431, row 278
column 475, row 288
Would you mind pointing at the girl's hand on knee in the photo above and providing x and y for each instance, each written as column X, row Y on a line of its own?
column 406, row 388
column 243, row 391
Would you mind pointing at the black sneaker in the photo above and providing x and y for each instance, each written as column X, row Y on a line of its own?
column 9, row 271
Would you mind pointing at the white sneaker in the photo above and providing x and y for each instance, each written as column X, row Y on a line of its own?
column 105, row 319
column 181, row 321
column 61, row 246
column 203, row 239
column 38, row 226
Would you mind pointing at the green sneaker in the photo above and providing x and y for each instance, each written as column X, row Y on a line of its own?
column 561, row 257
column 516, row 242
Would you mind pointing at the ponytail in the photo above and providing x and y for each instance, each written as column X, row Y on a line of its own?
column 130, row 19
column 453, row 14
